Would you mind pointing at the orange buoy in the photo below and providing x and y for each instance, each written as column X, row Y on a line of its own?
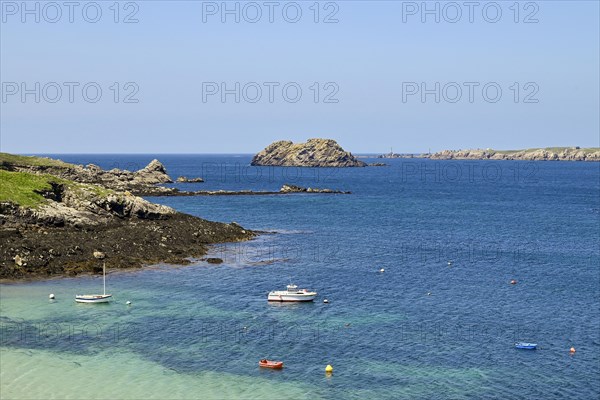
column 513, row 281
column 572, row 350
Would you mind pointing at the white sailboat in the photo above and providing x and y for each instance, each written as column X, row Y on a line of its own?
column 95, row 298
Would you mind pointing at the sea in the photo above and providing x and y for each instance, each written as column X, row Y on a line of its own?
column 416, row 264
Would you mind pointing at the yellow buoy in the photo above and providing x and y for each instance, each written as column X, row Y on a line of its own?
column 572, row 350
column 329, row 369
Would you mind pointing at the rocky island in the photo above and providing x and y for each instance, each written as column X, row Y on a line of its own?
column 313, row 153
column 54, row 215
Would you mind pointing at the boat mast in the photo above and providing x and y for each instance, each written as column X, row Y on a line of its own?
column 104, row 276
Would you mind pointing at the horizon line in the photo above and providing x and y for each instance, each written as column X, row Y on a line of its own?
column 253, row 153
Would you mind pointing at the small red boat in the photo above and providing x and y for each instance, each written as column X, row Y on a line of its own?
column 270, row 364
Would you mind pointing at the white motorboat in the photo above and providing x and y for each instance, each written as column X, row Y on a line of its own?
column 95, row 298
column 292, row 294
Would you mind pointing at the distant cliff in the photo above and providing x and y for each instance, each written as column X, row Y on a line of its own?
column 545, row 154
column 313, row 153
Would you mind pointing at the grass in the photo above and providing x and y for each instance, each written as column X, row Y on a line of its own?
column 20, row 187
column 13, row 159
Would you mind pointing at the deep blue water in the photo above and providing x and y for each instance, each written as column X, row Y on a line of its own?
column 421, row 329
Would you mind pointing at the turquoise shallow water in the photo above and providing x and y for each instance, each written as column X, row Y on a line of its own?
column 423, row 329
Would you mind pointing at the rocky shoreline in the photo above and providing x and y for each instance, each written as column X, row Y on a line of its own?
column 140, row 183
column 41, row 251
column 54, row 216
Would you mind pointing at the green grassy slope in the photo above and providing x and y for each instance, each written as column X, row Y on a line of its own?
column 21, row 187
column 13, row 159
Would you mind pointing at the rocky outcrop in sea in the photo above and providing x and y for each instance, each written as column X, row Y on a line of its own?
column 299, row 189
column 285, row 189
column 184, row 179
column 313, row 153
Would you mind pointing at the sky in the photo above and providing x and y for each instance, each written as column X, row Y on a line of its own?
column 232, row 77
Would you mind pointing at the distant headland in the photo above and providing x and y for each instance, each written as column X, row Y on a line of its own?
column 536, row 154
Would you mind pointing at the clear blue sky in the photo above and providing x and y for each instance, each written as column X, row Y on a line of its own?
column 370, row 55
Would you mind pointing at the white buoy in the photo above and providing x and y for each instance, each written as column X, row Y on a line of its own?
column 51, row 296
column 128, row 303
column 325, row 301
column 382, row 270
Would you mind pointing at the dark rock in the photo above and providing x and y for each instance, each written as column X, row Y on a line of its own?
column 214, row 260
column 126, row 245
